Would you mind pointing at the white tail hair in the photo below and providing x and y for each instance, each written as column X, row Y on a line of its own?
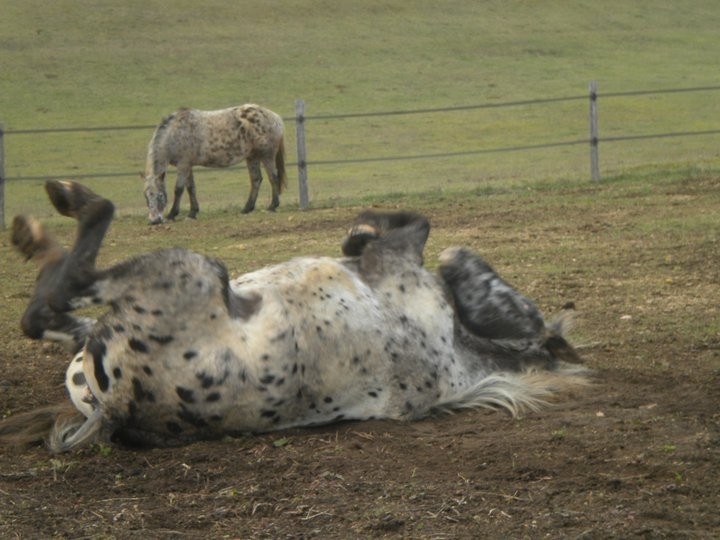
column 517, row 393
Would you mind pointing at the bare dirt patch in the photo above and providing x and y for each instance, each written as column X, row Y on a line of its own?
column 636, row 455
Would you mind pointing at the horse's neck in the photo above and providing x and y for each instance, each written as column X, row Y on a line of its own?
column 156, row 162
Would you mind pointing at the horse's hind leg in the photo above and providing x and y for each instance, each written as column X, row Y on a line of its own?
column 194, row 204
column 253, row 166
column 274, row 178
column 486, row 305
column 497, row 322
column 409, row 228
column 386, row 243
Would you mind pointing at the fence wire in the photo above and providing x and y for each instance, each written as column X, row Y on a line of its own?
column 527, row 102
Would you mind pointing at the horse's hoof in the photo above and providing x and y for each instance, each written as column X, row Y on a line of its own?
column 26, row 234
column 358, row 238
column 246, row 210
column 70, row 198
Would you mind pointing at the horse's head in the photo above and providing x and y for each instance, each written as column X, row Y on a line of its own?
column 155, row 196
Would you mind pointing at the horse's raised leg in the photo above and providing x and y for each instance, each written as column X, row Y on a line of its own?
column 274, row 178
column 183, row 173
column 253, row 166
column 93, row 214
column 39, row 321
column 387, row 242
column 63, row 275
column 406, row 227
column 194, row 205
column 485, row 304
column 498, row 321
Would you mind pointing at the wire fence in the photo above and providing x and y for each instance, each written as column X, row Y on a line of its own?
column 593, row 140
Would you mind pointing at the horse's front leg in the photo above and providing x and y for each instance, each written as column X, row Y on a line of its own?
column 253, row 166
column 183, row 173
column 64, row 276
column 192, row 193
column 39, row 321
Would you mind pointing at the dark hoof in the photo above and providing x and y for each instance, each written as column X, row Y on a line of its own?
column 247, row 210
column 26, row 233
column 358, row 238
column 30, row 239
column 70, row 198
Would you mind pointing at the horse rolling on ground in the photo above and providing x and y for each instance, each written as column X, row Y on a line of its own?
column 184, row 354
column 222, row 138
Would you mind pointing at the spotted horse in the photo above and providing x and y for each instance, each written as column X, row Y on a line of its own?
column 185, row 354
column 220, row 138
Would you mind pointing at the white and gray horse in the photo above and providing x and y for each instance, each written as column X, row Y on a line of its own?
column 185, row 354
column 221, row 138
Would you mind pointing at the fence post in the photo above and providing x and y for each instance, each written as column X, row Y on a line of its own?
column 301, row 158
column 594, row 161
column 2, row 177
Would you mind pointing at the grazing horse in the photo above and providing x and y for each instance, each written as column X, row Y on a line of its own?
column 220, row 138
column 185, row 354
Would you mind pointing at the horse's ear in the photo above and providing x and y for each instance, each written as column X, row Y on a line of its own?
column 142, row 176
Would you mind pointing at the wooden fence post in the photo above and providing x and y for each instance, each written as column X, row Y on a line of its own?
column 301, row 158
column 2, row 178
column 594, row 160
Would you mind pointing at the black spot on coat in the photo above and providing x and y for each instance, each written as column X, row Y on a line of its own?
column 185, row 394
column 98, row 350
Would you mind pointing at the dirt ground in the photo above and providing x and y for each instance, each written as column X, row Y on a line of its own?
column 635, row 456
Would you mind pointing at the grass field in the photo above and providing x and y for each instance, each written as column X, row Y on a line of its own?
column 74, row 63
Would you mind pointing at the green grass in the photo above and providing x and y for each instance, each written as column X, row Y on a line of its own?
column 77, row 63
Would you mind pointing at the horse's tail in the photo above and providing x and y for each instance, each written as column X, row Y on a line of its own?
column 61, row 427
column 517, row 392
column 280, row 165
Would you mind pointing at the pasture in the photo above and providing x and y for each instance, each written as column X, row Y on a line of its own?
column 637, row 254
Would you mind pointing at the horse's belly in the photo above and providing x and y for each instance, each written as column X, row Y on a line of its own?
column 323, row 346
column 357, row 352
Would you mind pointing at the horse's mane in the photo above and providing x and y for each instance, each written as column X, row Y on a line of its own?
column 154, row 157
